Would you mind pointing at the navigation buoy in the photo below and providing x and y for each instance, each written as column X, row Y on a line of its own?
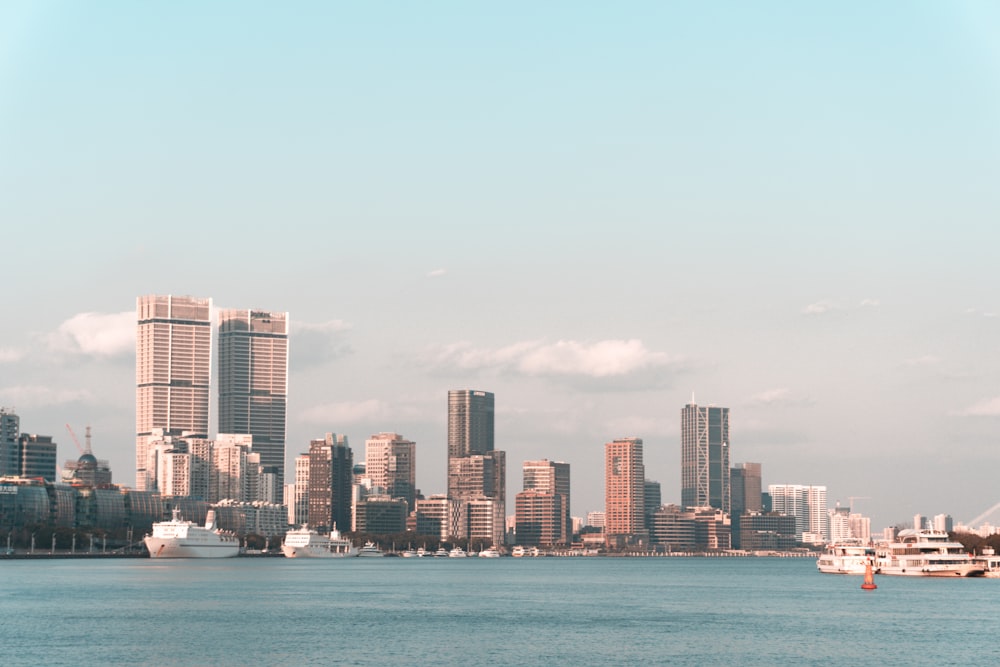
column 869, row 583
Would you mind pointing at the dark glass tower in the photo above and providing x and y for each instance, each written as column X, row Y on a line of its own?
column 705, row 470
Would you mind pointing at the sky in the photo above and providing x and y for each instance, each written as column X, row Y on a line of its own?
column 594, row 210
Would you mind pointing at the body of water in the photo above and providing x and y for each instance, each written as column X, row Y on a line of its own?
column 538, row 611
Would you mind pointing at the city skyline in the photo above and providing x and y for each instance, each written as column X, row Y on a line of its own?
column 590, row 212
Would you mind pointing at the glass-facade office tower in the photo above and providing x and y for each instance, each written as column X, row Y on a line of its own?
column 173, row 365
column 705, row 457
column 331, row 466
column 624, row 488
column 390, row 463
column 253, row 381
column 745, row 488
column 476, row 471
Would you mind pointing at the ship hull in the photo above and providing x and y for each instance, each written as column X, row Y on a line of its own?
column 178, row 548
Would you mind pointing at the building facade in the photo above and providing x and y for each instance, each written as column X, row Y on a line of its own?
column 551, row 477
column 173, row 371
column 624, row 491
column 253, row 381
column 390, row 464
column 807, row 504
column 331, row 464
column 477, row 472
column 705, row 457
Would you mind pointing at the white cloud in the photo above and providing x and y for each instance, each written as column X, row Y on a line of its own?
column 779, row 396
column 437, row 273
column 870, row 303
column 96, row 334
column 818, row 308
column 988, row 407
column 350, row 412
column 331, row 326
column 36, row 396
column 9, row 355
column 602, row 359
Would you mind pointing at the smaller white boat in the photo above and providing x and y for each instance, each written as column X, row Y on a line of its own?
column 421, row 552
column 492, row 552
column 370, row 551
column 517, row 552
column 307, row 543
column 845, row 558
column 441, row 552
column 990, row 562
column 457, row 552
column 409, row 553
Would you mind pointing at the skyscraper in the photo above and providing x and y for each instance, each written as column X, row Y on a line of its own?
column 476, row 472
column 331, row 465
column 807, row 504
column 253, row 380
column 470, row 422
column 390, row 463
column 10, row 431
column 705, row 457
column 745, row 488
column 624, row 490
column 173, row 352
column 552, row 477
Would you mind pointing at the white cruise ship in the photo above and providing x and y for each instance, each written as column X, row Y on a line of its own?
column 185, row 539
column 307, row 543
column 926, row 553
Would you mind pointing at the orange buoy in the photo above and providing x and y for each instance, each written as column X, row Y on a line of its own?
column 869, row 583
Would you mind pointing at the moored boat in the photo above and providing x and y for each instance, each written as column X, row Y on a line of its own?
column 370, row 551
column 457, row 552
column 926, row 553
column 307, row 543
column 492, row 552
column 845, row 558
column 178, row 538
column 990, row 562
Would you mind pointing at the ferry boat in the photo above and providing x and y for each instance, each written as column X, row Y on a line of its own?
column 926, row 553
column 846, row 558
column 178, row 538
column 370, row 551
column 307, row 543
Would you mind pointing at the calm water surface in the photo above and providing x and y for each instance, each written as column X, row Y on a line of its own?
column 541, row 611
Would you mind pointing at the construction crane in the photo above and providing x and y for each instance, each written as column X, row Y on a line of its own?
column 76, row 441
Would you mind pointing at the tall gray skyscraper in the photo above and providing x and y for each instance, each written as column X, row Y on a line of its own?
column 476, row 472
column 705, row 457
column 745, row 488
column 253, row 380
column 173, row 355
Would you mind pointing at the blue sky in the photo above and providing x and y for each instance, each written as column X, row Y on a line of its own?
column 591, row 210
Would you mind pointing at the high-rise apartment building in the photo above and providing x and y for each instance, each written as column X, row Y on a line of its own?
column 624, row 490
column 476, row 471
column 745, row 488
column 173, row 370
column 808, row 505
column 705, row 457
column 253, row 381
column 331, row 466
column 550, row 477
column 390, row 464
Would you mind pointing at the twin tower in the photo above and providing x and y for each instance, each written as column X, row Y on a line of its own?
column 174, row 375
